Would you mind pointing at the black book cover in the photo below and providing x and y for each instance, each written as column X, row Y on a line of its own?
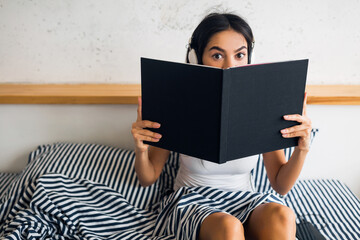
column 222, row 114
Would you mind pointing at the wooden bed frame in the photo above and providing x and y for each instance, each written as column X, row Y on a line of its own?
column 127, row 94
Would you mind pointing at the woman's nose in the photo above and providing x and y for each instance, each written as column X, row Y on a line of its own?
column 228, row 63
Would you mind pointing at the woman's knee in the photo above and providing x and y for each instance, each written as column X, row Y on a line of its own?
column 281, row 214
column 221, row 226
column 272, row 221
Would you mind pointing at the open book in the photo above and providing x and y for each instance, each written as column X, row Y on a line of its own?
column 222, row 114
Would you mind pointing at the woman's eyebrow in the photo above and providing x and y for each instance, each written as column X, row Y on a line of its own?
column 217, row 48
column 222, row 50
column 240, row 49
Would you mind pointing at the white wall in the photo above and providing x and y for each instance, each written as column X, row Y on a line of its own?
column 334, row 152
column 89, row 41
column 335, row 149
column 101, row 41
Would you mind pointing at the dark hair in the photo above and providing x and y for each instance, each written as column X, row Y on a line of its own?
column 214, row 23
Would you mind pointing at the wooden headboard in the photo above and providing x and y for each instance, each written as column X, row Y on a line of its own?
column 128, row 93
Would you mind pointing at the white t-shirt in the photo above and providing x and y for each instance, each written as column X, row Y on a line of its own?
column 233, row 175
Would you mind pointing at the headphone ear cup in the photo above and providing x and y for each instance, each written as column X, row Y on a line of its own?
column 252, row 57
column 192, row 56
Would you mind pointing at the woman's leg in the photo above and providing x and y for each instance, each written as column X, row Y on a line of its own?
column 221, row 226
column 271, row 221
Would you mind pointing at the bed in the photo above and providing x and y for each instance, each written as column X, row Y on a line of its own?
column 90, row 191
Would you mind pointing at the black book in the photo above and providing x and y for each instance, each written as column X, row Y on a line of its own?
column 222, row 114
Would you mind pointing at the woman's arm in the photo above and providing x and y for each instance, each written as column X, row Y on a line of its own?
column 282, row 174
column 149, row 160
column 149, row 164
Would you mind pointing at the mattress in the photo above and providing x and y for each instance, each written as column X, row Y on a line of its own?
column 90, row 191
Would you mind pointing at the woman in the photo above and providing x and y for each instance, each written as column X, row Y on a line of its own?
column 223, row 41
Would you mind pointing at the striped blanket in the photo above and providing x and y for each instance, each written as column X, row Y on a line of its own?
column 89, row 191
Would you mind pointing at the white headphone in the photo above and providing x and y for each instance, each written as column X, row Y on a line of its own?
column 192, row 54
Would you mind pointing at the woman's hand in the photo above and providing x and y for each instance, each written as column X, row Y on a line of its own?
column 303, row 130
column 141, row 134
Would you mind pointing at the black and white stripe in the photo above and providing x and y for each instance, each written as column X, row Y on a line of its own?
column 329, row 205
column 91, row 191
column 5, row 180
column 110, row 166
column 182, row 212
column 59, row 207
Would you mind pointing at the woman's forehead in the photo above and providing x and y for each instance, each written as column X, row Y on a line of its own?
column 227, row 39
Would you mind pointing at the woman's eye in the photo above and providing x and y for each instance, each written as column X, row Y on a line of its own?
column 240, row 55
column 217, row 56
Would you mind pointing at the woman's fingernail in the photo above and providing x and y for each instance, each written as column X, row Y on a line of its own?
column 158, row 135
column 284, row 131
column 284, row 135
column 157, row 125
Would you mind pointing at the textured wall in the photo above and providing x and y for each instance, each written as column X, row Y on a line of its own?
column 92, row 41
